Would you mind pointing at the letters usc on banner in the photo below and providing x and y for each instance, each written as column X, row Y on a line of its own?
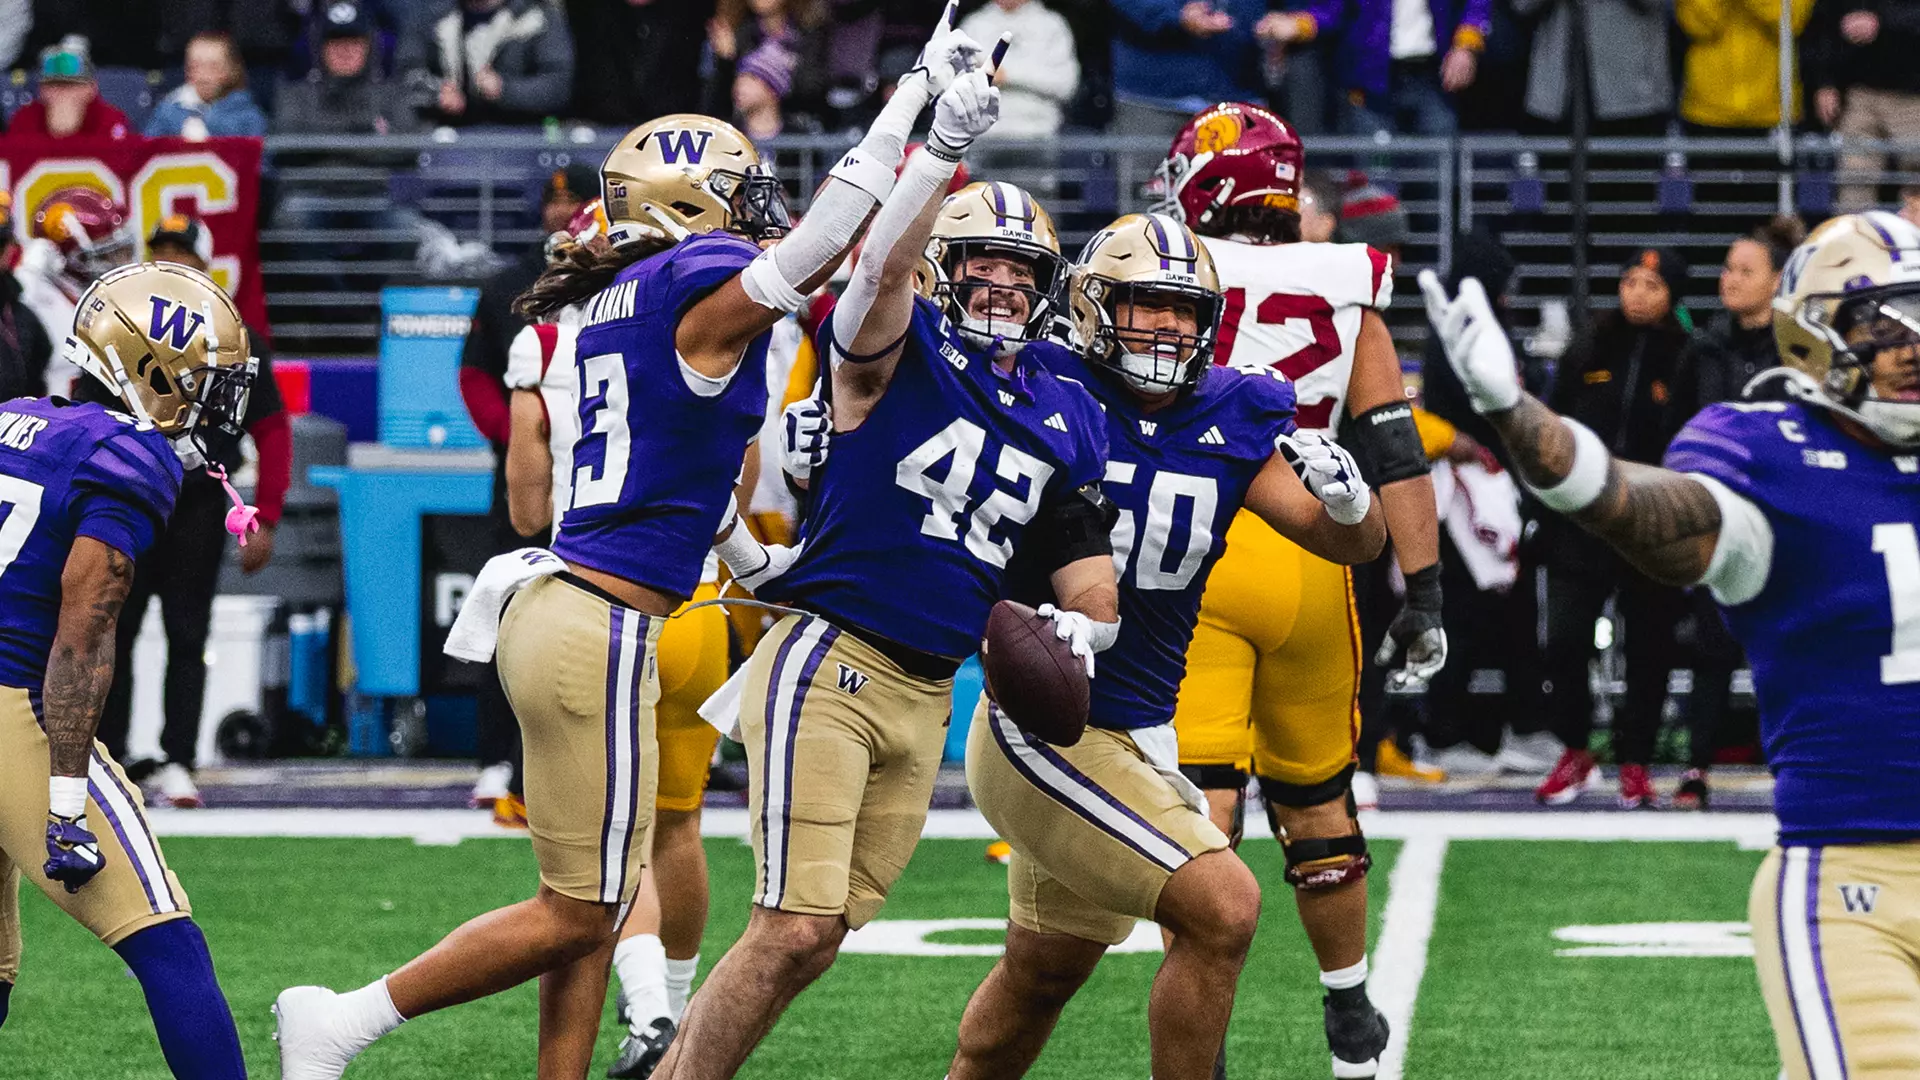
column 218, row 179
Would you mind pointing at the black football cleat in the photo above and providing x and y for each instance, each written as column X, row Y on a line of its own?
column 640, row 1054
column 1356, row 1033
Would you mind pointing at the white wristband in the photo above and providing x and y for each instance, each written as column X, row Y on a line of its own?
column 1585, row 480
column 743, row 553
column 67, row 796
column 765, row 285
column 865, row 172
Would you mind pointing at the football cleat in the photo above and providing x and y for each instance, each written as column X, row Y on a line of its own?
column 510, row 811
column 311, row 1047
column 1535, row 753
column 1390, row 760
column 1692, row 793
column 177, row 788
column 640, row 1053
column 1000, row 851
column 1571, row 777
column 1636, row 789
column 1356, row 1034
column 491, row 785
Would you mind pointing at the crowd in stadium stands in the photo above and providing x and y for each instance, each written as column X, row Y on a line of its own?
column 1128, row 66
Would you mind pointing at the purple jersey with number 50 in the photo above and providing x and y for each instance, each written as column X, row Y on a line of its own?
column 656, row 462
column 68, row 471
column 1834, row 636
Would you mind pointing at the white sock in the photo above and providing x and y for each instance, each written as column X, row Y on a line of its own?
column 641, row 963
column 680, row 985
column 367, row 1013
column 1346, row 978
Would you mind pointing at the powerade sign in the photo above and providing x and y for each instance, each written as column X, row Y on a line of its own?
column 422, row 330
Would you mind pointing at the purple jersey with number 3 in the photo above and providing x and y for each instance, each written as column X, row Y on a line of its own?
column 68, row 471
column 1834, row 636
column 656, row 462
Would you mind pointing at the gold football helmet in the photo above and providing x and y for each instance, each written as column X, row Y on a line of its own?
column 1145, row 260
column 1856, row 272
column 992, row 219
column 170, row 343
column 686, row 174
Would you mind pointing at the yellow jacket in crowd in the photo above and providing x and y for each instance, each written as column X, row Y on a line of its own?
column 1733, row 61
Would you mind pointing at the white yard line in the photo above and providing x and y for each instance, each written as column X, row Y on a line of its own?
column 1400, row 956
column 453, row 826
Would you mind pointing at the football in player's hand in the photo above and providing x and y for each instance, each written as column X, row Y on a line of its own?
column 1032, row 675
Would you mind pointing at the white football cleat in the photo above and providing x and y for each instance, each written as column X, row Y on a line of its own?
column 312, row 1044
column 1531, row 755
column 491, row 786
column 177, row 788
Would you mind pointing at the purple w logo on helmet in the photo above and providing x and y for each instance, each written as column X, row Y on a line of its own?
column 174, row 323
column 677, row 144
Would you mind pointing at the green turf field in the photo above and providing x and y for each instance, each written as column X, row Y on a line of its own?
column 1495, row 1001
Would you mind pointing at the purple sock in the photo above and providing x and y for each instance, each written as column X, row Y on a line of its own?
column 189, row 1012
column 6, row 993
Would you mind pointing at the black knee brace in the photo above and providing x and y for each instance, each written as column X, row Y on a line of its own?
column 1223, row 778
column 1318, row 862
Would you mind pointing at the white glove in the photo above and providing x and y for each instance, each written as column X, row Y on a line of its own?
column 806, row 437
column 948, row 54
column 1083, row 636
column 774, row 561
column 966, row 111
column 1475, row 343
column 1329, row 472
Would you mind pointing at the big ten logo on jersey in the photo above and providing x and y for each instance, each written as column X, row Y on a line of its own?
column 1164, row 539
column 174, row 324
column 988, row 509
column 1309, row 340
column 17, row 431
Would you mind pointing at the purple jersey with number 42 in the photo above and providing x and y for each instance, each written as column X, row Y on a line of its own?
column 68, row 471
column 1834, row 636
column 656, row 462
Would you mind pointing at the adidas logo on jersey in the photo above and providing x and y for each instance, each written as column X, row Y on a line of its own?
column 1149, row 427
column 1006, row 398
column 1212, row 437
column 1057, row 422
column 1907, row 463
column 853, row 681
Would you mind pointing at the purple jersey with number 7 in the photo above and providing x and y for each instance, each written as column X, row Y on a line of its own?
column 1834, row 636
column 68, row 471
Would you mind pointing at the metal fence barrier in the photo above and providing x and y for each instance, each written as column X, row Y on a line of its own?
column 341, row 215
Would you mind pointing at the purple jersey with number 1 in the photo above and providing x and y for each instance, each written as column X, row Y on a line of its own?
column 1834, row 636
column 656, row 462
column 68, row 471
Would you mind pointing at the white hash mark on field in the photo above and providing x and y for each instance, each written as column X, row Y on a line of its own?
column 1400, row 956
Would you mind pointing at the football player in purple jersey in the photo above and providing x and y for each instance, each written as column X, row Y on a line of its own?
column 1109, row 831
column 1800, row 516
column 84, row 490
column 702, row 261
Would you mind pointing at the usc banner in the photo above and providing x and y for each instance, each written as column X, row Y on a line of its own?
column 217, row 180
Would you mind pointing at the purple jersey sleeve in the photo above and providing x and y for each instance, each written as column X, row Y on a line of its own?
column 1274, row 403
column 703, row 264
column 124, row 492
column 1722, row 440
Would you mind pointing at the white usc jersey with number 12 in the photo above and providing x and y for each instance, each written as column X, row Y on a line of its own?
column 1296, row 308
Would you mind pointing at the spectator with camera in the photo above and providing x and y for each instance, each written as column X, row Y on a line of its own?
column 488, row 61
column 214, row 100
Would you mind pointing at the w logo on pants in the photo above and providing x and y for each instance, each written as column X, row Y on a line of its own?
column 1859, row 898
column 852, row 681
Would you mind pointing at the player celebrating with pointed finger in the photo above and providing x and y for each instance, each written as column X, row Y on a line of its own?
column 1800, row 517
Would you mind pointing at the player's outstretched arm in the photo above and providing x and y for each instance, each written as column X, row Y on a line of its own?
column 1321, row 511
column 870, row 322
column 529, row 465
column 93, row 588
column 716, row 331
column 1665, row 523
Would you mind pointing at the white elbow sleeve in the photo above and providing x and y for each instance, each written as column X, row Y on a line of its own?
column 1744, row 554
column 767, row 286
column 1588, row 476
column 863, row 169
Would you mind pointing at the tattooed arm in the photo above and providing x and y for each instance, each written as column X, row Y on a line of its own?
column 1665, row 523
column 93, row 587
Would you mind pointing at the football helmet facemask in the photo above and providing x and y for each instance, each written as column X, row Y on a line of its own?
column 686, row 174
column 1850, row 293
column 1145, row 260
column 989, row 219
column 170, row 343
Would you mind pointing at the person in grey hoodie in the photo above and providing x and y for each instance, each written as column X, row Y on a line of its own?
column 490, row 61
column 344, row 93
column 214, row 100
